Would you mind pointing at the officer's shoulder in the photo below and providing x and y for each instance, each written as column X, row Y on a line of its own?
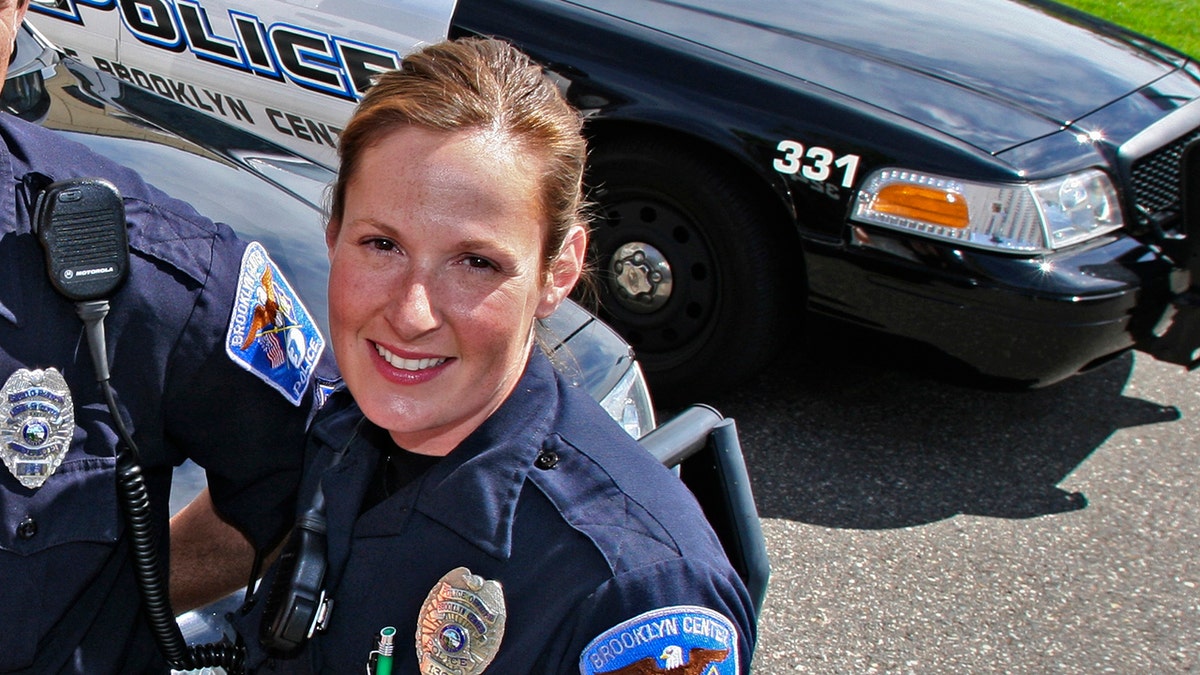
column 585, row 426
column 51, row 156
column 160, row 226
column 625, row 487
column 599, row 458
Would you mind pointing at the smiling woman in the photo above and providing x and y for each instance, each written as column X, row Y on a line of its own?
column 462, row 490
column 437, row 278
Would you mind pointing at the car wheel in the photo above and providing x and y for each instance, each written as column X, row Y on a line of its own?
column 688, row 265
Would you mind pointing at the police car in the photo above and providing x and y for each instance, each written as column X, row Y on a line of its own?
column 272, row 195
column 1001, row 179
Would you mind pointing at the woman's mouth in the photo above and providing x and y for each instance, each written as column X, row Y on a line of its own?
column 401, row 363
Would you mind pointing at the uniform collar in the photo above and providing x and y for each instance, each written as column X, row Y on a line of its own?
column 475, row 489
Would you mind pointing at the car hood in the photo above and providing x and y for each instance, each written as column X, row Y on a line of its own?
column 992, row 73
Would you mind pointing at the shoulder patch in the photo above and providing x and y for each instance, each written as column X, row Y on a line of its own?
column 683, row 639
column 271, row 334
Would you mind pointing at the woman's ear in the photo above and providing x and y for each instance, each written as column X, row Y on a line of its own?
column 564, row 271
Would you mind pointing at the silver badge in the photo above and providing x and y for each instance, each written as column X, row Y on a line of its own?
column 37, row 420
column 461, row 624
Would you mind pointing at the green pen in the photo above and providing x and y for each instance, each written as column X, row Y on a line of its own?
column 383, row 663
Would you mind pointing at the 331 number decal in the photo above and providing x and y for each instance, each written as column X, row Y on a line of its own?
column 816, row 163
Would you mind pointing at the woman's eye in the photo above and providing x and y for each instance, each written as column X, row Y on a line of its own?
column 380, row 244
column 478, row 262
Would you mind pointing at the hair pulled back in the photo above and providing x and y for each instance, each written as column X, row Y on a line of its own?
column 477, row 84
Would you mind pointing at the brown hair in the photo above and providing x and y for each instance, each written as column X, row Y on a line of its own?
column 474, row 83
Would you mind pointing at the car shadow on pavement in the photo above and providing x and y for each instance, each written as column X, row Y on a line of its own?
column 872, row 433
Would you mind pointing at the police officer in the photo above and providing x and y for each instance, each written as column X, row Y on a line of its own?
column 481, row 512
column 188, row 336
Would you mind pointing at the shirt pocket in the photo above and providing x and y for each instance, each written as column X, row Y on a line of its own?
column 78, row 503
column 53, row 543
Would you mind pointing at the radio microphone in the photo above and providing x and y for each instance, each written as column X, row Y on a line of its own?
column 81, row 225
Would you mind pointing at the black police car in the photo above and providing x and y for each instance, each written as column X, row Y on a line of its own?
column 1005, row 180
column 1011, row 181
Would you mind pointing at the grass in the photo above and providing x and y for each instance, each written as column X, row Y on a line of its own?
column 1173, row 22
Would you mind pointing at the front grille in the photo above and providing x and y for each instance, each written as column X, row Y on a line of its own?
column 1158, row 180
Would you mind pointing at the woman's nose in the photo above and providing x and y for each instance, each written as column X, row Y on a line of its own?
column 413, row 312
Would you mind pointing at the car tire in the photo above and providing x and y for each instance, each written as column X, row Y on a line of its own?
column 688, row 265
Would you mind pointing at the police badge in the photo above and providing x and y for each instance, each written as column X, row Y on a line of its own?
column 37, row 420
column 461, row 624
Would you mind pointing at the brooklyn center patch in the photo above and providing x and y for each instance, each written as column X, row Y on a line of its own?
column 680, row 640
column 271, row 334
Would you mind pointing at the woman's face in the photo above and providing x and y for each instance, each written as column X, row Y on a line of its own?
column 436, row 279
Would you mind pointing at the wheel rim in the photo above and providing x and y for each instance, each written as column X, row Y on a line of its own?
column 660, row 278
column 640, row 277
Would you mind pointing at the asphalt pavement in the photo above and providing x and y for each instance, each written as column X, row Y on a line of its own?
column 920, row 523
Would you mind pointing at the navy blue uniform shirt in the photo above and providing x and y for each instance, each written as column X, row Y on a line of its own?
column 580, row 526
column 70, row 602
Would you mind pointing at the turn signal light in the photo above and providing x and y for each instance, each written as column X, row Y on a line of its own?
column 923, row 203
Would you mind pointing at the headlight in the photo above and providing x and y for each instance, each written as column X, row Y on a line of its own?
column 629, row 403
column 1035, row 217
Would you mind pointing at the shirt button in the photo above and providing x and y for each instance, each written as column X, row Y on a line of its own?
column 547, row 459
column 27, row 529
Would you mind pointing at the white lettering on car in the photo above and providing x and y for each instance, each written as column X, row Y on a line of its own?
column 315, row 60
column 817, row 164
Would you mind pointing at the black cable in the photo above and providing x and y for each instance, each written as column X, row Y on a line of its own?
column 135, row 502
